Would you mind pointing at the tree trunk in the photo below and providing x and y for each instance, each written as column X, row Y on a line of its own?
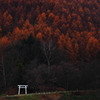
column 48, row 67
column 4, row 75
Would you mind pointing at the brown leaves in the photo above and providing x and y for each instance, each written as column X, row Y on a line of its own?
column 4, row 42
column 39, row 36
column 92, row 47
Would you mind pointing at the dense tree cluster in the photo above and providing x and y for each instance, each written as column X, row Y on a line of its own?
column 73, row 24
column 59, row 39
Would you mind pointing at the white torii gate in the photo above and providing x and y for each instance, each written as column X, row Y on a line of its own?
column 22, row 86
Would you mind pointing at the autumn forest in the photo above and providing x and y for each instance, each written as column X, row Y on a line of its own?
column 49, row 44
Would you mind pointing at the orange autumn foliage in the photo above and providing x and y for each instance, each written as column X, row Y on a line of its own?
column 73, row 24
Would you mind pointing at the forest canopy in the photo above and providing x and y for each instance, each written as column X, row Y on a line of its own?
column 73, row 24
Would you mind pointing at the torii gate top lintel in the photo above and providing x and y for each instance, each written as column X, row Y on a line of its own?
column 22, row 86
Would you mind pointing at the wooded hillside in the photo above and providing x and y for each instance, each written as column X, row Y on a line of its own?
column 52, row 42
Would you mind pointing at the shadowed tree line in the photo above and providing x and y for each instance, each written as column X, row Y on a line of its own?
column 26, row 62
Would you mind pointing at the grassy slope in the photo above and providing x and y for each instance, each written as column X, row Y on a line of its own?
column 69, row 95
